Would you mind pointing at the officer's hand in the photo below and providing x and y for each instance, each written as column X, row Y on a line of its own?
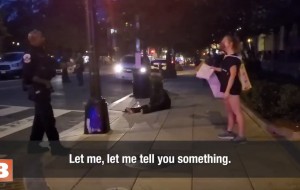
column 48, row 84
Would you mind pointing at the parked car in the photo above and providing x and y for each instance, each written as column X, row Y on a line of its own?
column 11, row 64
column 62, row 62
column 158, row 65
column 58, row 66
column 124, row 69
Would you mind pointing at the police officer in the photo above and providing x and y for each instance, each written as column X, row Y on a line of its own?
column 38, row 71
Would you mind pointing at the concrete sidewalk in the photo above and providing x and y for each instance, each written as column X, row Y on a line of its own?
column 195, row 116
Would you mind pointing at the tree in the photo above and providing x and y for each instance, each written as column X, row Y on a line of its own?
column 19, row 16
column 64, row 24
column 185, row 25
column 3, row 33
column 160, row 21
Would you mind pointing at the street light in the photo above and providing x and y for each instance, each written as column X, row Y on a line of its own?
column 138, row 63
column 96, row 111
column 141, row 77
column 249, row 42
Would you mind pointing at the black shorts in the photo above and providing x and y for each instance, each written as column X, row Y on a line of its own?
column 236, row 88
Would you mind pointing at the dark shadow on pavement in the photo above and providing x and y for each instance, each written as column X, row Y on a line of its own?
column 217, row 119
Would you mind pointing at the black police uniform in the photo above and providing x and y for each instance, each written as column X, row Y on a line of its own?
column 37, row 63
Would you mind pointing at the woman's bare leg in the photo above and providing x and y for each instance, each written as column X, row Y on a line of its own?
column 228, row 134
column 235, row 105
column 230, row 116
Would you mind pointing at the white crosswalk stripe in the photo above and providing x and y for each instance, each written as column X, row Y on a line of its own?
column 14, row 125
column 19, row 125
column 11, row 110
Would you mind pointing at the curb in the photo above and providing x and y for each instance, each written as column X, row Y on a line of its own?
column 82, row 137
column 270, row 128
column 110, row 106
column 76, row 127
column 17, row 184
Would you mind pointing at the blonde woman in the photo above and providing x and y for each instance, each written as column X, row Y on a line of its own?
column 232, row 88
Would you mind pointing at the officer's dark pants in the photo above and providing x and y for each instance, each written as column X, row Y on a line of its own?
column 44, row 122
column 79, row 76
column 65, row 76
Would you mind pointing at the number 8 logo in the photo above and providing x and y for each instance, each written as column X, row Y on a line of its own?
column 4, row 170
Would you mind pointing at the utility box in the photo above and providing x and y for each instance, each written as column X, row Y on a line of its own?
column 96, row 117
column 141, row 84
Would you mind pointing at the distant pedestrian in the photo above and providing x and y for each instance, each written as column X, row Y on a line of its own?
column 79, row 69
column 232, row 88
column 38, row 70
column 197, row 59
column 64, row 74
column 65, row 65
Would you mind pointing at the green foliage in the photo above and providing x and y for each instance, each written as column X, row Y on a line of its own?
column 194, row 24
column 65, row 25
column 62, row 21
column 274, row 100
column 262, row 97
column 289, row 104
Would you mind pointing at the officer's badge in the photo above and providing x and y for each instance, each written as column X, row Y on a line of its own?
column 27, row 58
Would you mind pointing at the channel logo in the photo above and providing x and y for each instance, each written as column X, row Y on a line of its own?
column 6, row 170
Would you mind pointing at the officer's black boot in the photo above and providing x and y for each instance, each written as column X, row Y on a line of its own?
column 35, row 148
column 58, row 149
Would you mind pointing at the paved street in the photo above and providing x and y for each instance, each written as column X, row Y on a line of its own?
column 16, row 112
column 195, row 116
column 66, row 96
column 184, row 147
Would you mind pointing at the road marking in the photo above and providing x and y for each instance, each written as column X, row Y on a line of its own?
column 22, row 124
column 7, row 81
column 11, row 87
column 69, row 131
column 118, row 101
column 25, row 123
column 55, row 109
column 11, row 110
column 72, row 132
column 58, row 94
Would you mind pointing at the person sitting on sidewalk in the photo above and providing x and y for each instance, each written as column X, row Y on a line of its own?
column 159, row 100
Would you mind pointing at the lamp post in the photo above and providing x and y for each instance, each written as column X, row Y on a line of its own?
column 96, row 111
column 141, row 73
column 138, row 63
column 249, row 42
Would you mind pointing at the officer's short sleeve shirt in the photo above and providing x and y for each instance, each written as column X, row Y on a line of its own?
column 29, row 67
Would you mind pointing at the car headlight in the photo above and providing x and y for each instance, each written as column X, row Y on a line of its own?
column 118, row 68
column 143, row 70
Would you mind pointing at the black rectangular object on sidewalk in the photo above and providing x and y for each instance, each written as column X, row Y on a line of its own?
column 96, row 117
column 141, row 84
